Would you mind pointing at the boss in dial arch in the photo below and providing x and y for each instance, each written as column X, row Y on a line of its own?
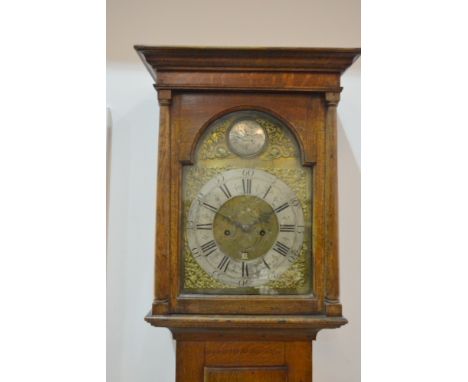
column 246, row 227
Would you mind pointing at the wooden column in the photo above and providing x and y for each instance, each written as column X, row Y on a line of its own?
column 332, row 292
column 162, row 248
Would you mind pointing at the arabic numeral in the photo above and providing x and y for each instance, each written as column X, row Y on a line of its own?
column 272, row 276
column 248, row 172
column 195, row 252
column 293, row 256
column 220, row 180
column 295, row 202
column 200, row 197
column 215, row 274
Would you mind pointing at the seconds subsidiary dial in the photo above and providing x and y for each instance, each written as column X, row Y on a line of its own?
column 245, row 227
column 247, row 138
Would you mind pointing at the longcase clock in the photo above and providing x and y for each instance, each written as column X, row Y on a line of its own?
column 246, row 249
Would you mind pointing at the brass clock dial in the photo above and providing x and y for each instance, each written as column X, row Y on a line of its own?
column 246, row 227
column 246, row 210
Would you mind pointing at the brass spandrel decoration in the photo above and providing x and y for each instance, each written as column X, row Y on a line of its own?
column 215, row 146
column 195, row 277
column 292, row 280
column 280, row 146
column 280, row 158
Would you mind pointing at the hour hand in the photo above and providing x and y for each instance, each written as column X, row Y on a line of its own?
column 225, row 217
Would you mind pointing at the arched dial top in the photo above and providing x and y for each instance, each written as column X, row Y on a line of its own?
column 245, row 227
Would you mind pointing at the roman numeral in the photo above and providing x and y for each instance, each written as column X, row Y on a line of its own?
column 245, row 270
column 281, row 248
column 224, row 264
column 207, row 226
column 266, row 193
column 287, row 227
column 247, row 185
column 209, row 247
column 226, row 191
column 266, row 264
column 210, row 207
column 282, row 207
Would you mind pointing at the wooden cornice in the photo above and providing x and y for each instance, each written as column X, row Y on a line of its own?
column 247, row 60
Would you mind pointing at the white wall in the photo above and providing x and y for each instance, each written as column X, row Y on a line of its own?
column 138, row 352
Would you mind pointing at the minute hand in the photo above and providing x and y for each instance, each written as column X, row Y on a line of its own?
column 237, row 224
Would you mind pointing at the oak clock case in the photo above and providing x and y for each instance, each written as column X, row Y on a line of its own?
column 246, row 254
column 246, row 210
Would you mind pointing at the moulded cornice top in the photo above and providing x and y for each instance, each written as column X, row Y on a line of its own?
column 159, row 58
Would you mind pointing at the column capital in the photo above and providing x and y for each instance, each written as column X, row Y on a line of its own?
column 164, row 97
column 332, row 98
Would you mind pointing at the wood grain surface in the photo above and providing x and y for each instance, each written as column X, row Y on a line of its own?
column 244, row 361
column 240, row 338
column 246, row 374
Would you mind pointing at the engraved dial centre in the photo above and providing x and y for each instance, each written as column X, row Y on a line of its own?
column 245, row 227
